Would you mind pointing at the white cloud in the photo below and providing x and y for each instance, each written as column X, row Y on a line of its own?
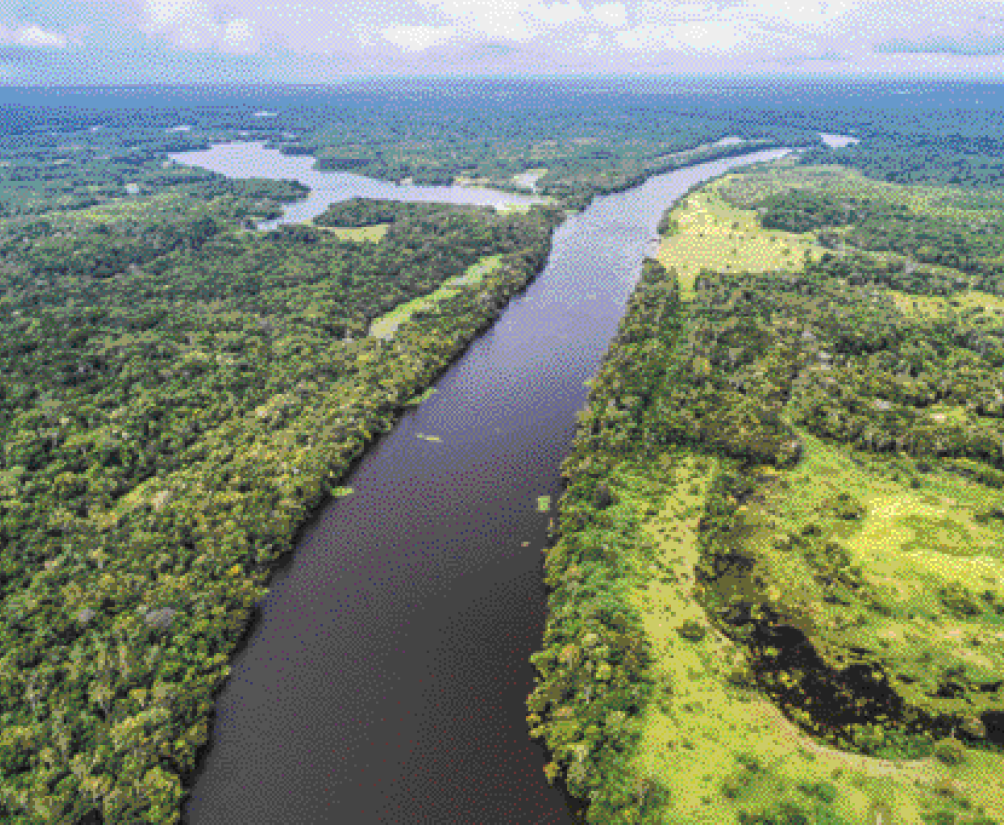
column 163, row 14
column 418, row 38
column 557, row 14
column 516, row 20
column 33, row 37
column 239, row 35
column 713, row 34
column 708, row 36
column 501, row 19
column 703, row 36
column 610, row 14
column 198, row 25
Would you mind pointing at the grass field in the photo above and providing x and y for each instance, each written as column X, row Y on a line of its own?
column 373, row 233
column 726, row 750
column 713, row 234
column 929, row 306
column 924, row 552
column 940, row 201
column 386, row 325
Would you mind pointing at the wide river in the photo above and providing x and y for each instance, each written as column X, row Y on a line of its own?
column 385, row 679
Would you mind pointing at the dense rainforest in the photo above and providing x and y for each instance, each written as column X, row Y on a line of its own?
column 179, row 394
column 583, row 138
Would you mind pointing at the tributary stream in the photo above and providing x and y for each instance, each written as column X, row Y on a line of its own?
column 385, row 679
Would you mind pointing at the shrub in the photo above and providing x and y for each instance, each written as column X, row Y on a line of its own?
column 950, row 751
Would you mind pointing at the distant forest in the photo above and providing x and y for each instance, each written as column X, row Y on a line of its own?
column 589, row 138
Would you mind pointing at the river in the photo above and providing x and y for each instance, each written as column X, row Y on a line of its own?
column 385, row 679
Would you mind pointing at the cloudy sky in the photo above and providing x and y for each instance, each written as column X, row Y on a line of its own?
column 108, row 41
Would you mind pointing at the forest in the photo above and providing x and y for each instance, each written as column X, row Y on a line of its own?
column 92, row 146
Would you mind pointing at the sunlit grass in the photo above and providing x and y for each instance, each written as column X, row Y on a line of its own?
column 373, row 234
column 713, row 234
column 953, row 202
column 722, row 747
column 386, row 325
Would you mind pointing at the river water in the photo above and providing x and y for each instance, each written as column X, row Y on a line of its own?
column 385, row 679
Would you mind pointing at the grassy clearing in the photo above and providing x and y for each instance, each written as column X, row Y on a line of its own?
column 386, row 325
column 130, row 209
column 880, row 564
column 931, row 307
column 913, row 560
column 724, row 748
column 713, row 234
column 467, row 180
column 373, row 234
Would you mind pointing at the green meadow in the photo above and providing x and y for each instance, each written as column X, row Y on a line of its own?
column 386, row 325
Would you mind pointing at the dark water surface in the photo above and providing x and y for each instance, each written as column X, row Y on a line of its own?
column 385, row 681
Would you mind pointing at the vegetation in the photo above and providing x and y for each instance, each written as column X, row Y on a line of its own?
column 785, row 492
column 178, row 397
column 790, row 484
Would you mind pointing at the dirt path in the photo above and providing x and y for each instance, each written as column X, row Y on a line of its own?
column 855, row 761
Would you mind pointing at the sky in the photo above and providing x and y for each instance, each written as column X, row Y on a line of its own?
column 45, row 42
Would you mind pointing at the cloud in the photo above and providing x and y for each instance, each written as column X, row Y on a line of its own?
column 418, row 38
column 610, row 14
column 977, row 46
column 310, row 40
column 804, row 59
column 557, row 14
column 505, row 19
column 707, row 36
column 239, row 36
column 163, row 14
column 515, row 20
column 33, row 37
column 198, row 25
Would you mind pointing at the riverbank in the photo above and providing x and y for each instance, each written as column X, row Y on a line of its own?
column 243, row 159
column 673, row 492
column 439, row 538
column 390, row 373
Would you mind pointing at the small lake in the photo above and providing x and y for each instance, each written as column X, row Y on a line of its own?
column 254, row 160
column 385, row 679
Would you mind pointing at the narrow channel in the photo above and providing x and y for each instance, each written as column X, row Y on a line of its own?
column 385, row 679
